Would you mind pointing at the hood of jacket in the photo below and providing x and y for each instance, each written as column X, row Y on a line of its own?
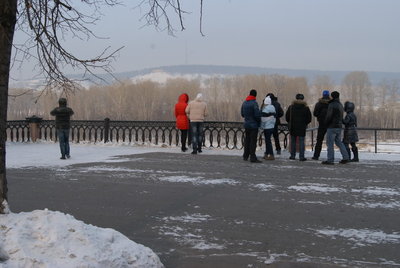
column 299, row 103
column 324, row 100
column 349, row 107
column 183, row 98
column 199, row 97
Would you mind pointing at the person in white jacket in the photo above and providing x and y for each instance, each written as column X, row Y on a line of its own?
column 268, row 124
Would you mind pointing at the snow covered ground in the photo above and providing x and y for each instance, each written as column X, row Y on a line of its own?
column 43, row 238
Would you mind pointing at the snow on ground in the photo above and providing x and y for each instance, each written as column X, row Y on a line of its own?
column 47, row 154
column 43, row 238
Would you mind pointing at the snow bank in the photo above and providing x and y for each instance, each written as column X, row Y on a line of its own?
column 44, row 238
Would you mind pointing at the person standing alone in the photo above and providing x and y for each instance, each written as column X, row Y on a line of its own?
column 197, row 111
column 252, row 118
column 320, row 111
column 63, row 115
column 182, row 121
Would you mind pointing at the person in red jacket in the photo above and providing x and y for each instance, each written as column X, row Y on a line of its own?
column 182, row 121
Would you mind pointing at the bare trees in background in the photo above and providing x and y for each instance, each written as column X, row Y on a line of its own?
column 147, row 100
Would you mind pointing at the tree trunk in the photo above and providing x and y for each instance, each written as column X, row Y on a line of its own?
column 8, row 12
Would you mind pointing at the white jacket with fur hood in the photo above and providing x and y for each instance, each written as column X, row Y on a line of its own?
column 197, row 109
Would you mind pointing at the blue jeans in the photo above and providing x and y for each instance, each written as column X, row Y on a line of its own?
column 63, row 138
column 334, row 136
column 197, row 135
column 302, row 146
column 268, row 144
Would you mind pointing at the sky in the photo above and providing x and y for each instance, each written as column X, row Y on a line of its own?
column 343, row 35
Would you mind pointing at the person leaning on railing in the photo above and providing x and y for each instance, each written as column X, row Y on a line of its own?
column 63, row 115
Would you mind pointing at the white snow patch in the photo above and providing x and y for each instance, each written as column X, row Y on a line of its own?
column 43, row 238
column 263, row 187
column 362, row 236
column 315, row 188
column 384, row 205
column 197, row 180
column 377, row 191
column 194, row 218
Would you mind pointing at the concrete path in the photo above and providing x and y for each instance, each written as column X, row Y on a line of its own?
column 220, row 211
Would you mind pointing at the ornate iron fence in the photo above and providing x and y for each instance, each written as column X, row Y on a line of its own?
column 228, row 135
column 216, row 134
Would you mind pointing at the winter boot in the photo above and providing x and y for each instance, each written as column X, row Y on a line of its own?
column 355, row 153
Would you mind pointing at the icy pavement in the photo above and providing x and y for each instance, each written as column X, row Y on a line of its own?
column 214, row 210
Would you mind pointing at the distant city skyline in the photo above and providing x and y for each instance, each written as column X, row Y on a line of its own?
column 343, row 35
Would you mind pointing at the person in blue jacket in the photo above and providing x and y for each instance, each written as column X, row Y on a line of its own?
column 252, row 117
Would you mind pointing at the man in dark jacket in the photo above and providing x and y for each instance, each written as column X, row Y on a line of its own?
column 63, row 115
column 333, row 121
column 320, row 111
column 278, row 115
column 252, row 117
column 298, row 116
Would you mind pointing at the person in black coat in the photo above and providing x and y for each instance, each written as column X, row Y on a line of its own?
column 320, row 111
column 298, row 116
column 334, row 122
column 278, row 115
column 350, row 135
column 63, row 115
column 252, row 118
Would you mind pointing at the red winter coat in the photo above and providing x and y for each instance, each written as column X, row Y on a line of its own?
column 182, row 121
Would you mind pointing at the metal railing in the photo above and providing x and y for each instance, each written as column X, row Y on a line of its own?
column 368, row 135
column 228, row 135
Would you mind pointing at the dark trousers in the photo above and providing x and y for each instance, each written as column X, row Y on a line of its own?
column 268, row 143
column 250, row 143
column 276, row 138
column 63, row 138
column 302, row 146
column 184, row 136
column 197, row 135
column 320, row 139
column 354, row 149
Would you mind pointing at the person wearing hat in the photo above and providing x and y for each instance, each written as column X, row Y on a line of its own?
column 279, row 113
column 268, row 119
column 298, row 116
column 252, row 118
column 334, row 122
column 196, row 111
column 63, row 115
column 320, row 109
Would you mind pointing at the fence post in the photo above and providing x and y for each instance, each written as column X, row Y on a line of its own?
column 34, row 127
column 106, row 129
column 376, row 140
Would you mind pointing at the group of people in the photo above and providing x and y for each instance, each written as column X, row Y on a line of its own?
column 190, row 118
column 329, row 112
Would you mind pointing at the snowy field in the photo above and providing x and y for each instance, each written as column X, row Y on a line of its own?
column 33, row 239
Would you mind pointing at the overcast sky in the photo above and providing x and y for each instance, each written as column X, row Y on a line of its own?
column 298, row 34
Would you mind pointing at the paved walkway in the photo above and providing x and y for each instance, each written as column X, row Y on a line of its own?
column 220, row 211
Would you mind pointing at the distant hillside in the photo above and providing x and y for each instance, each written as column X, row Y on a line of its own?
column 209, row 70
